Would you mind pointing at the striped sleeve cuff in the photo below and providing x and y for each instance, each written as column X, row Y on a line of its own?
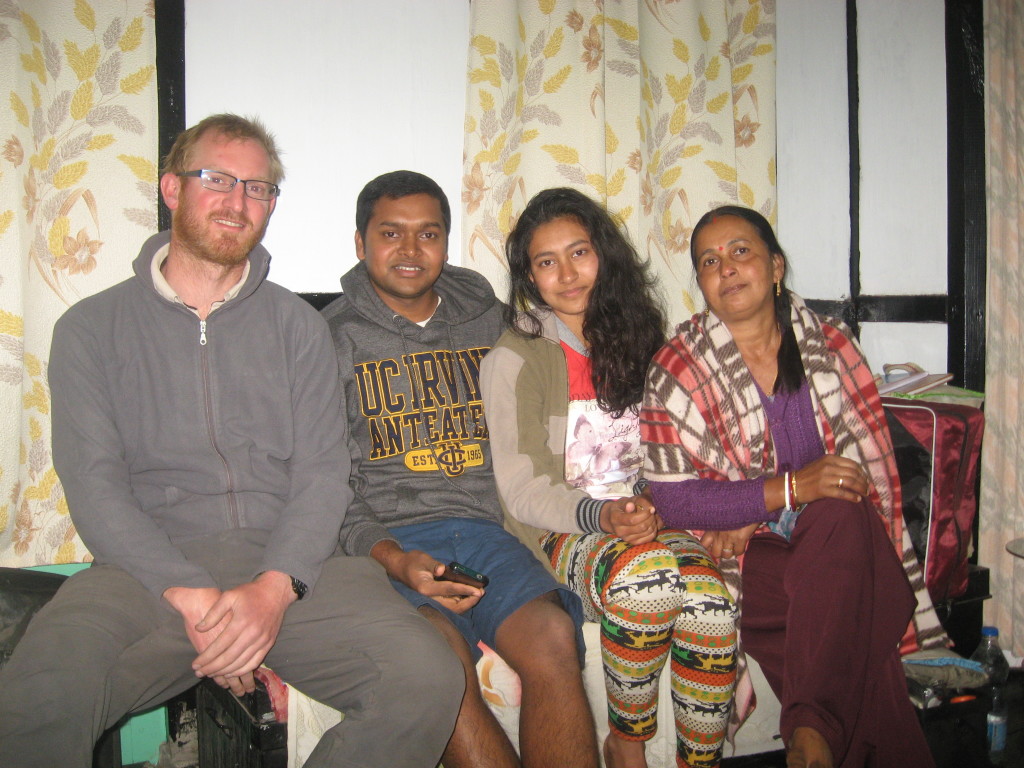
column 588, row 515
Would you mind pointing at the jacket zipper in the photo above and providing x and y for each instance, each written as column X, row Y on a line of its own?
column 208, row 411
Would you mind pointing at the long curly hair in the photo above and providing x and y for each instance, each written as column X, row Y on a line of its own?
column 624, row 324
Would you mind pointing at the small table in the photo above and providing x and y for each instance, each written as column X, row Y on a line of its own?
column 1016, row 547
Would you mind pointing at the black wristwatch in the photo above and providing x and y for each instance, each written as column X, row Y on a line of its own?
column 299, row 588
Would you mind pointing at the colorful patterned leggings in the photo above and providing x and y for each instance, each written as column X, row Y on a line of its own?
column 650, row 599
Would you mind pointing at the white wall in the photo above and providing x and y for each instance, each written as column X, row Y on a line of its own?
column 351, row 89
column 902, row 64
column 902, row 127
column 355, row 88
column 813, row 120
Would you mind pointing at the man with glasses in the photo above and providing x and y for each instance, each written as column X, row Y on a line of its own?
column 200, row 437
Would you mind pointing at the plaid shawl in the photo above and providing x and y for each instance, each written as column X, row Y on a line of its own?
column 702, row 418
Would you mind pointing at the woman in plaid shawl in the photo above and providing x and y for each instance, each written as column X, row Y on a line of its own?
column 764, row 429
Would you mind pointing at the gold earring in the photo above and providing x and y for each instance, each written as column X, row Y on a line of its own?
column 706, row 311
column 778, row 287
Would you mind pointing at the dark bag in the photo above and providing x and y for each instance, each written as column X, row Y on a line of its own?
column 938, row 447
column 22, row 594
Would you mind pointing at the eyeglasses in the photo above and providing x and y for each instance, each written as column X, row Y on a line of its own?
column 225, row 182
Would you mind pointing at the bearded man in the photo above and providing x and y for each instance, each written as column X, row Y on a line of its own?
column 200, row 436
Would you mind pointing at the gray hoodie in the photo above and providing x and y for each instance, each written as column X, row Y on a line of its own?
column 159, row 438
column 414, row 405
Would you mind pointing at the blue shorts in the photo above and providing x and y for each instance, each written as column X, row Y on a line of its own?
column 516, row 576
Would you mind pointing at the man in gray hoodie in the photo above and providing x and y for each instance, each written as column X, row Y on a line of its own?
column 410, row 331
column 199, row 434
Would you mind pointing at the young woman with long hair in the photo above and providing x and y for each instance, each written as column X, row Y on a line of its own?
column 562, row 390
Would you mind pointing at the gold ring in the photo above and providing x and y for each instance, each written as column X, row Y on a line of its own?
column 840, row 482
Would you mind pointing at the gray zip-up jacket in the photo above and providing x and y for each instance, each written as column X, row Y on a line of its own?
column 414, row 405
column 159, row 438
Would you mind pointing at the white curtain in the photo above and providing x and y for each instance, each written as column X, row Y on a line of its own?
column 1001, row 510
column 78, row 194
column 659, row 109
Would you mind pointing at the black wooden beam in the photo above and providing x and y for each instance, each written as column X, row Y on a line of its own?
column 884, row 309
column 853, row 101
column 967, row 219
column 320, row 300
column 170, row 81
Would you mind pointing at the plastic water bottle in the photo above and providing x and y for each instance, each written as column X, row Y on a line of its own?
column 991, row 657
column 995, row 727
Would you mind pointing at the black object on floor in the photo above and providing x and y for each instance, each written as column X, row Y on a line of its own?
column 22, row 593
column 239, row 732
column 763, row 760
column 955, row 734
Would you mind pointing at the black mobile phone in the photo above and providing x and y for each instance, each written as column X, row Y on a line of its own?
column 462, row 574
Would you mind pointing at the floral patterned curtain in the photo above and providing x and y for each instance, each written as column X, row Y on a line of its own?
column 78, row 194
column 658, row 108
column 1001, row 514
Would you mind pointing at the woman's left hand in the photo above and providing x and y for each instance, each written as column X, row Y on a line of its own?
column 726, row 544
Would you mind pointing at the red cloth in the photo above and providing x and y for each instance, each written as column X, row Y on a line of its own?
column 276, row 690
column 823, row 615
column 581, row 374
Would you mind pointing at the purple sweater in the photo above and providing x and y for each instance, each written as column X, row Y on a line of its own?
column 723, row 506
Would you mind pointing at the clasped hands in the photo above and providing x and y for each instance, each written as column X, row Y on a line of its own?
column 233, row 630
column 632, row 518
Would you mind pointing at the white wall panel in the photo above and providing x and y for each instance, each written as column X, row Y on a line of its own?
column 902, row 74
column 351, row 89
column 813, row 146
column 921, row 343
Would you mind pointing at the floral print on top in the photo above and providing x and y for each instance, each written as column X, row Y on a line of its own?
column 602, row 454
